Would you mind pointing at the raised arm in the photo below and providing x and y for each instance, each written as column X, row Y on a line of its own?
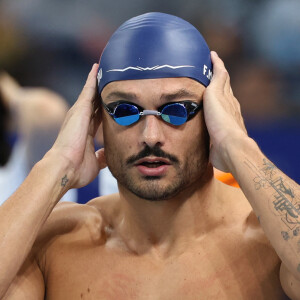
column 70, row 163
column 275, row 197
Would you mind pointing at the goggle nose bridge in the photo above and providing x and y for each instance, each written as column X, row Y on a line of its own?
column 147, row 112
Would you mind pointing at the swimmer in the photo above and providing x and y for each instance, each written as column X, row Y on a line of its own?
column 173, row 231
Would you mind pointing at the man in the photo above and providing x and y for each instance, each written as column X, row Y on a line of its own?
column 173, row 231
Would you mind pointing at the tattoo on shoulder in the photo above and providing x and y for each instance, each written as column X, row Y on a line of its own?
column 64, row 180
column 285, row 201
column 298, row 268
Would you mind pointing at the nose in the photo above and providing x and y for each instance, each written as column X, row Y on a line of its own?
column 152, row 131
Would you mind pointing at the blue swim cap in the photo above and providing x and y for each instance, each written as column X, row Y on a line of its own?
column 155, row 45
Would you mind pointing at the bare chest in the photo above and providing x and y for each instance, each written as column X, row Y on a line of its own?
column 208, row 271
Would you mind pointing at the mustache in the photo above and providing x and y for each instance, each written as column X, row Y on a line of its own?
column 155, row 151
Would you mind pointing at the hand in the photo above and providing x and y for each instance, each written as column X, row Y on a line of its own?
column 222, row 114
column 75, row 141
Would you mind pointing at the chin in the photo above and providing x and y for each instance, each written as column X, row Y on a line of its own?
column 153, row 188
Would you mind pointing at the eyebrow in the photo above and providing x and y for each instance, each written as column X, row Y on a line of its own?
column 121, row 95
column 182, row 93
column 168, row 97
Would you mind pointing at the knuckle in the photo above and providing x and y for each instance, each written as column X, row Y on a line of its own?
column 225, row 74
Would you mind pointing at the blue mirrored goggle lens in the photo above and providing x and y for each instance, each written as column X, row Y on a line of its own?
column 174, row 114
column 126, row 114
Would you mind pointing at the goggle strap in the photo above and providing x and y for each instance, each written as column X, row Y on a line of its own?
column 197, row 108
column 107, row 108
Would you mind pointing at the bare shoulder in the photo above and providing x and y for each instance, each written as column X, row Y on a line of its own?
column 67, row 218
column 68, row 224
column 68, row 221
column 236, row 201
column 247, row 233
column 245, row 247
column 242, row 219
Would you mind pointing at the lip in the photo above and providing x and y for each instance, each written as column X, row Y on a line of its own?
column 153, row 159
column 158, row 171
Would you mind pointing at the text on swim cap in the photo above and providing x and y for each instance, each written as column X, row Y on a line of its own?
column 99, row 75
column 207, row 72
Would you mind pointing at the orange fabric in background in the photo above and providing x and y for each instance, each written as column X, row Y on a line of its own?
column 226, row 178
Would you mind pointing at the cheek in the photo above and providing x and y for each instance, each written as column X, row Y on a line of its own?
column 196, row 153
column 195, row 140
column 204, row 138
column 117, row 142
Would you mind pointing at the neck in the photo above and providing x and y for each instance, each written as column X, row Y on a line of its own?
column 167, row 226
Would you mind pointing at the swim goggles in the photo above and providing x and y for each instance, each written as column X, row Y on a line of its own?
column 175, row 113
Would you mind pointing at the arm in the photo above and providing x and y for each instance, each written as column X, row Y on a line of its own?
column 70, row 163
column 274, row 197
column 28, row 283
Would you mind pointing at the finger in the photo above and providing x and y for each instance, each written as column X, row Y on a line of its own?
column 220, row 74
column 89, row 90
column 227, row 87
column 78, row 118
column 90, row 82
column 84, row 106
column 96, row 118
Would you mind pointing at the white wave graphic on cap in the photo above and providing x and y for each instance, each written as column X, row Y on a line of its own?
column 137, row 68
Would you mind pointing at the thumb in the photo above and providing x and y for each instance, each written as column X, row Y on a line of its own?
column 100, row 155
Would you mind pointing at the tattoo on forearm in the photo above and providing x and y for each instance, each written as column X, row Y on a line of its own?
column 296, row 231
column 286, row 236
column 298, row 268
column 285, row 203
column 64, row 180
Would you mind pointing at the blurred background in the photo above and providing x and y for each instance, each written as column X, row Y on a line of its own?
column 54, row 43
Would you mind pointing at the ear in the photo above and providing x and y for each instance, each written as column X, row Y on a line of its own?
column 99, row 135
column 100, row 155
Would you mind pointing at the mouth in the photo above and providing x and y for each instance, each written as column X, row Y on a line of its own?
column 152, row 162
column 153, row 166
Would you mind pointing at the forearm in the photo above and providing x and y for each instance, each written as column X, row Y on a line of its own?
column 24, row 213
column 274, row 197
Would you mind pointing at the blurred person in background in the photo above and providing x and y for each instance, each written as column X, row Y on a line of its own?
column 30, row 121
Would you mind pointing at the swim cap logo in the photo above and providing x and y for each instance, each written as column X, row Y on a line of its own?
column 99, row 75
column 207, row 72
column 137, row 68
